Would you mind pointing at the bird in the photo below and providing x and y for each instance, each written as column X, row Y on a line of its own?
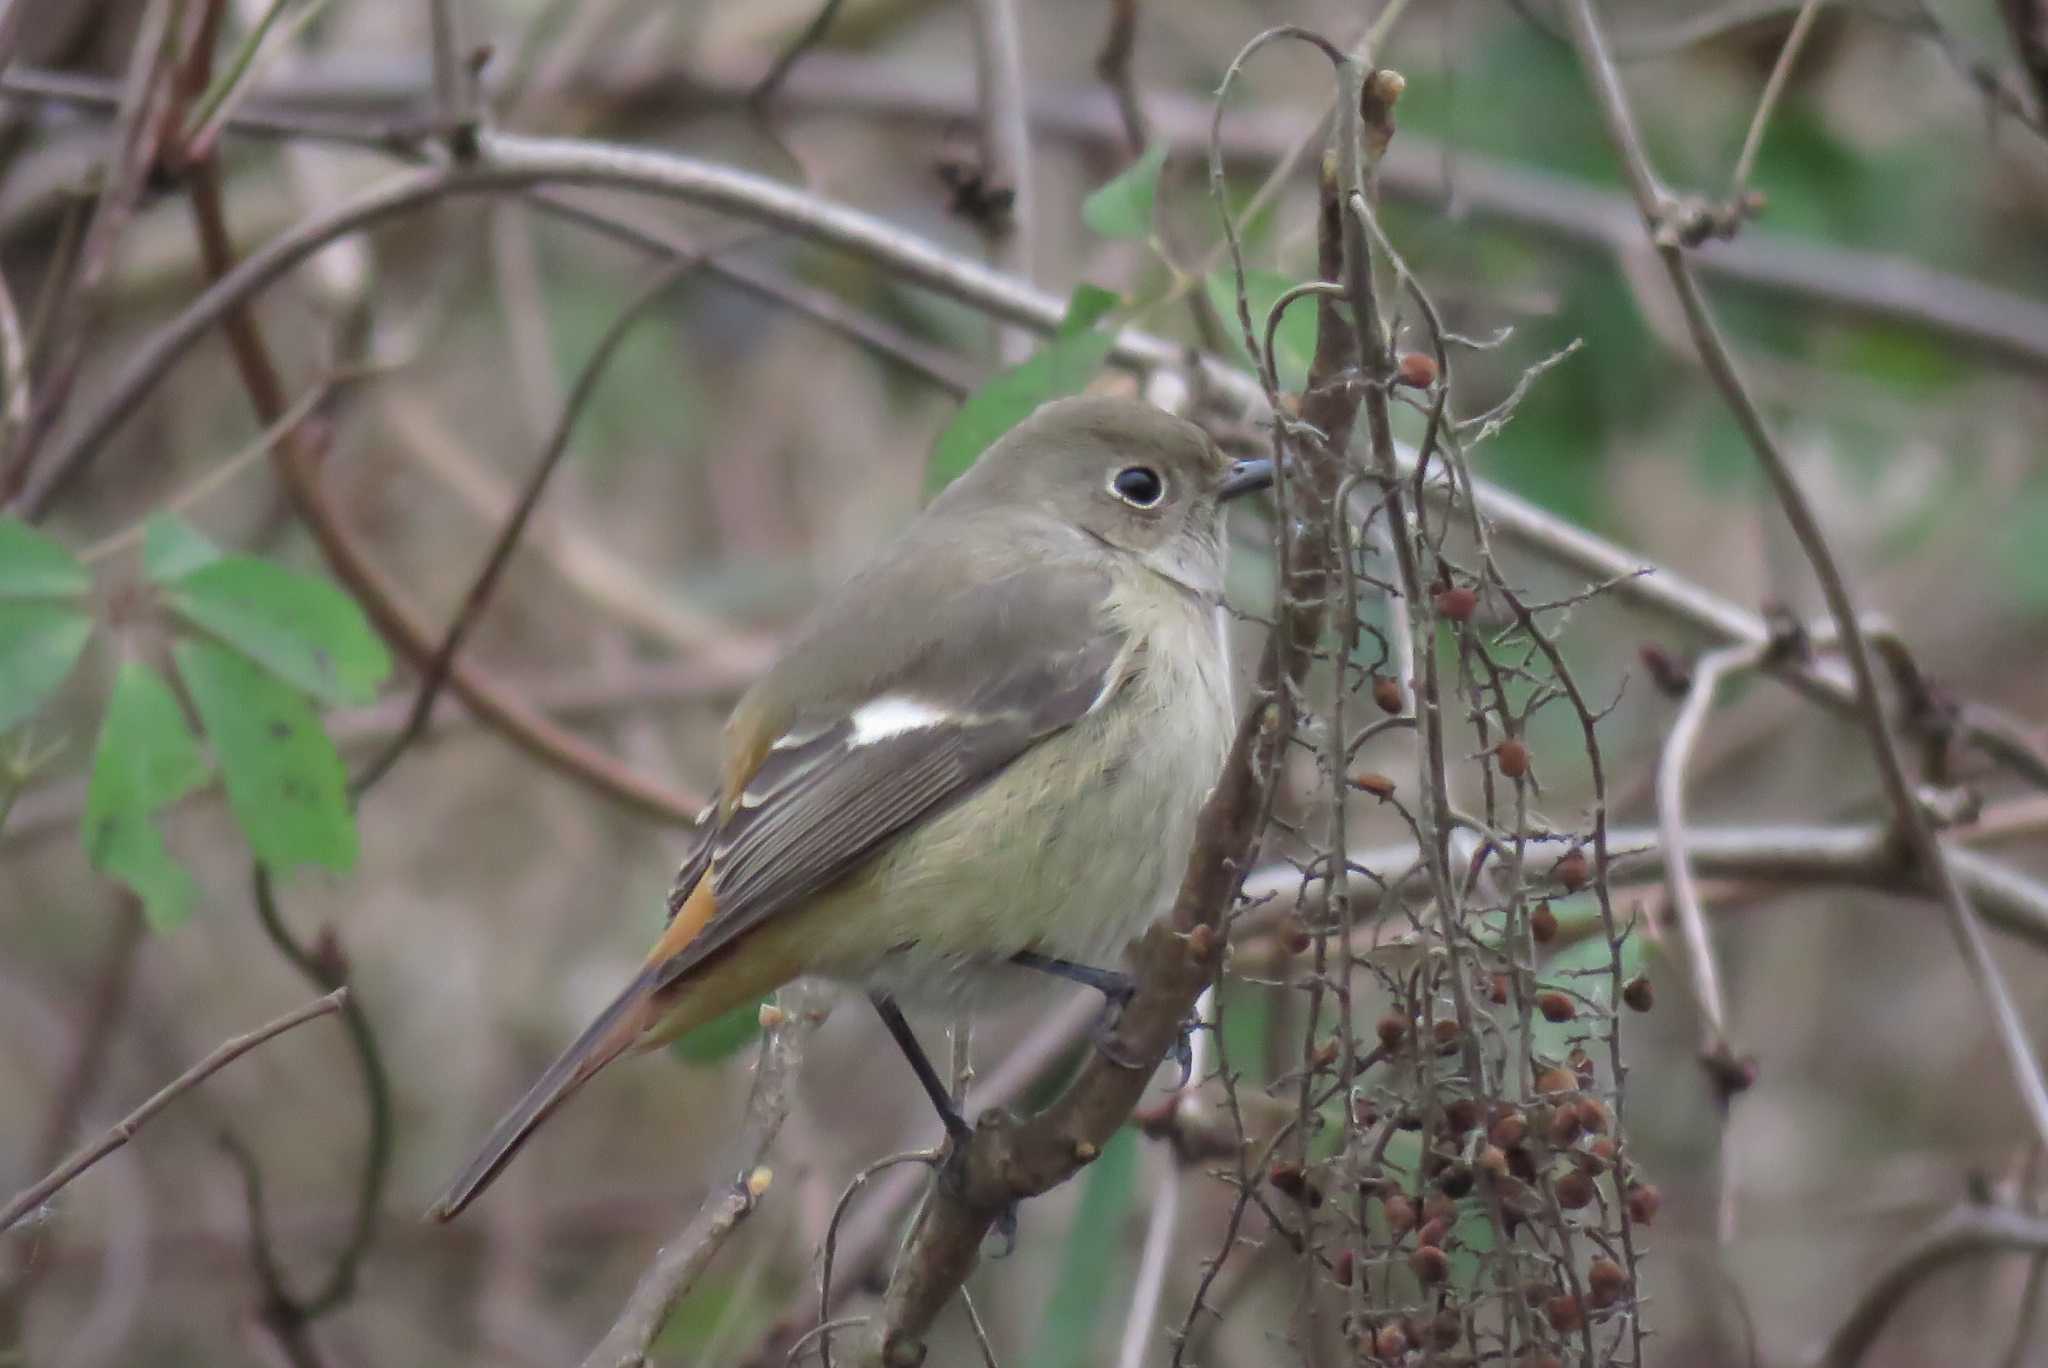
column 985, row 752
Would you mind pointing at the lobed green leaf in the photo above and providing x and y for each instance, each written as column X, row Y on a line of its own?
column 285, row 781
column 39, row 643
column 36, row 565
column 1122, row 207
column 299, row 627
column 146, row 758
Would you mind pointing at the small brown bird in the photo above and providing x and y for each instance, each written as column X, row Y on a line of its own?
column 987, row 749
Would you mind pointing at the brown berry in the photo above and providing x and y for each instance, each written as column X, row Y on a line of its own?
column 1392, row 1030
column 1432, row 1232
column 1572, row 871
column 1592, row 1116
column 1456, row 602
column 1508, row 1129
column 1644, row 1200
column 1286, row 1176
column 1564, row 1125
column 1554, row 1080
column 1511, row 758
column 1415, row 370
column 1535, row 1293
column 1574, row 1190
column 1581, row 1064
column 1494, row 1160
column 1638, row 994
column 1344, row 1267
column 1389, row 1342
column 1564, row 1313
column 1324, row 1057
column 1400, row 1214
column 1294, row 935
column 1604, row 1149
column 1497, row 990
column 1378, row 785
column 1543, row 924
column 1555, row 1006
column 1447, row 1033
column 1387, row 694
column 1666, row 671
column 1605, row 1282
column 1430, row 1264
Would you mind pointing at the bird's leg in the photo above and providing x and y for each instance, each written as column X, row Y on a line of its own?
column 1117, row 990
column 921, row 1065
column 956, row 1125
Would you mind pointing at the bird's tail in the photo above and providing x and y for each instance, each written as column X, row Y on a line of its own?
column 615, row 1031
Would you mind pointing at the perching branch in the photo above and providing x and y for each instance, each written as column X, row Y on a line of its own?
column 122, row 1131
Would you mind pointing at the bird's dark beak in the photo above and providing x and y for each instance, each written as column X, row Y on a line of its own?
column 1245, row 477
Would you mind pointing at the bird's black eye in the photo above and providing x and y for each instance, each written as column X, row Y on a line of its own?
column 1138, row 486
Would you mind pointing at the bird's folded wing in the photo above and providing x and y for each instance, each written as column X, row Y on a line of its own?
column 986, row 683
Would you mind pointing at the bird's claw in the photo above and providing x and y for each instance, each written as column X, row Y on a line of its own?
column 1104, row 1035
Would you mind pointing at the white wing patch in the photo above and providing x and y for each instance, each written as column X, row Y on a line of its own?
column 892, row 715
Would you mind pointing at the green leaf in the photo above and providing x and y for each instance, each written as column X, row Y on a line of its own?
column 1294, row 343
column 299, row 627
column 1061, row 367
column 146, row 758
column 1090, row 1264
column 286, row 785
column 34, row 565
column 1123, row 207
column 172, row 547
column 39, row 643
column 1087, row 306
column 722, row 1036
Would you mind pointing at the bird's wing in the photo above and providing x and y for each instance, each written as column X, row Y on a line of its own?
column 993, row 674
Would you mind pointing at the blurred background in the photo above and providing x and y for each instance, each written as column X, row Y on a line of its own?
column 1890, row 305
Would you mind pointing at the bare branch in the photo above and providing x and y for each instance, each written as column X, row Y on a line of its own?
column 1767, row 103
column 435, row 676
column 122, row 1131
column 683, row 1259
column 1971, row 1233
column 1913, row 821
column 1685, row 897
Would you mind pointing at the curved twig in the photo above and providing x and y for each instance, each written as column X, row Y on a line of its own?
column 1971, row 1233
column 122, row 1131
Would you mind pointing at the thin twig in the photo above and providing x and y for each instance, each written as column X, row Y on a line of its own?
column 1685, row 898
column 1869, row 284
column 813, row 33
column 1971, row 1233
column 1113, row 65
column 1005, row 151
column 1767, row 104
column 466, row 617
column 683, row 1259
column 1142, row 1322
column 1912, row 819
column 122, row 1131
